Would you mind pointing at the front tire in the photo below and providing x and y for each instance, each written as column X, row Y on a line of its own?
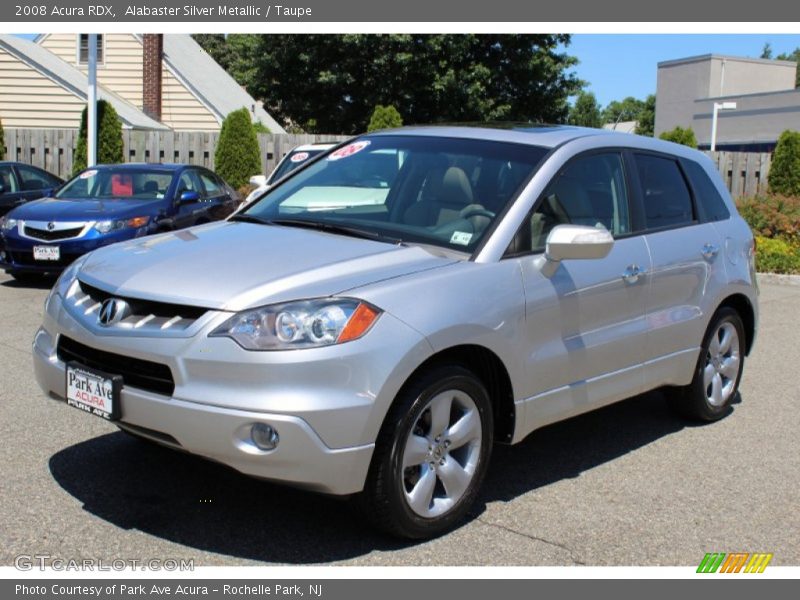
column 715, row 384
column 431, row 455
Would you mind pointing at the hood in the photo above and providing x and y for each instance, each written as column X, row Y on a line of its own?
column 234, row 266
column 58, row 209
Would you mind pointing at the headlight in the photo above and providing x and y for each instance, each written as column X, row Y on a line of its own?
column 305, row 324
column 68, row 276
column 7, row 224
column 108, row 226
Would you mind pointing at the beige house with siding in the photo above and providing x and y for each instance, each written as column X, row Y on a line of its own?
column 39, row 90
column 170, row 80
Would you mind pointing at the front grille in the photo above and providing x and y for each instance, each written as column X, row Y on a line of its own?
column 26, row 259
column 49, row 236
column 143, row 308
column 143, row 374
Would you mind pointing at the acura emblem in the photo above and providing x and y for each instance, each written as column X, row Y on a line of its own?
column 51, row 226
column 112, row 310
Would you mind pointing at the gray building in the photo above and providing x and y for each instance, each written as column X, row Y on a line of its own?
column 767, row 102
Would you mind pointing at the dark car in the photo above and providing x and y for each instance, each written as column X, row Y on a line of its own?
column 107, row 204
column 20, row 182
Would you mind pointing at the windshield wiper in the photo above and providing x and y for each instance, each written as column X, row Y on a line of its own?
column 336, row 228
column 250, row 219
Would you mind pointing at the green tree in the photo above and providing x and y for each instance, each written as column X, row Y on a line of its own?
column 646, row 120
column 784, row 173
column 795, row 57
column 586, row 111
column 623, row 110
column 2, row 141
column 109, row 138
column 331, row 83
column 679, row 135
column 384, row 117
column 217, row 46
column 766, row 51
column 237, row 157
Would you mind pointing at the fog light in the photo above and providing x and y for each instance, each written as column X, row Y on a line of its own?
column 264, row 436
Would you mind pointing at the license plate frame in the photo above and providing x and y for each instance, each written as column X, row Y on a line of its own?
column 92, row 391
column 47, row 253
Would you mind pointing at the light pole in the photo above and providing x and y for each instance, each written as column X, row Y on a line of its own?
column 718, row 106
column 91, row 112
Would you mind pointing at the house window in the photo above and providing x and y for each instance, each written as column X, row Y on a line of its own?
column 83, row 49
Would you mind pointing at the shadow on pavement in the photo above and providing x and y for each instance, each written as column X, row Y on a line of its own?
column 205, row 506
column 33, row 282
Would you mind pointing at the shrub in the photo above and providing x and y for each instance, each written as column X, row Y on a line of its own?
column 775, row 255
column 679, row 135
column 384, row 117
column 109, row 138
column 773, row 216
column 260, row 127
column 784, row 173
column 2, row 141
column 237, row 157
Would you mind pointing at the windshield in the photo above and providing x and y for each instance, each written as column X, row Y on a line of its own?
column 441, row 191
column 294, row 159
column 134, row 184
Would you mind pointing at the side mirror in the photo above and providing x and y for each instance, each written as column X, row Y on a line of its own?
column 577, row 242
column 258, row 180
column 188, row 197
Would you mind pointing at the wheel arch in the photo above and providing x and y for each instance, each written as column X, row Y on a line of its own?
column 742, row 305
column 490, row 370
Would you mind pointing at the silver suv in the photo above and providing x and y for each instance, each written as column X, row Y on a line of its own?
column 498, row 280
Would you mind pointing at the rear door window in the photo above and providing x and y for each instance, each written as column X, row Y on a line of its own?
column 710, row 204
column 666, row 197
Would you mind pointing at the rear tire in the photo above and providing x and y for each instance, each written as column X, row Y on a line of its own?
column 431, row 455
column 715, row 384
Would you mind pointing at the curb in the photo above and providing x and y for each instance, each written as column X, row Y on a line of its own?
column 778, row 279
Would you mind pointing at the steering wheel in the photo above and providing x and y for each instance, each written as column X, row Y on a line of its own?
column 476, row 212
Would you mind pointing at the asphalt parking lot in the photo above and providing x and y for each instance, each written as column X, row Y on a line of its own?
column 627, row 485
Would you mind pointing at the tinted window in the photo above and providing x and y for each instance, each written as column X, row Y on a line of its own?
column 667, row 202
column 213, row 188
column 8, row 180
column 709, row 202
column 590, row 191
column 34, row 179
column 188, row 183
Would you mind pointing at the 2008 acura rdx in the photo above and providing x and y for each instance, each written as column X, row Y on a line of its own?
column 497, row 281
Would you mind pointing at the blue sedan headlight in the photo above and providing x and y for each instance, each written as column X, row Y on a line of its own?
column 116, row 225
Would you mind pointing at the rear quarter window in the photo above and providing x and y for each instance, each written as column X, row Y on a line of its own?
column 710, row 204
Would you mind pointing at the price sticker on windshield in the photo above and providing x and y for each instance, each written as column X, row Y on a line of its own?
column 349, row 150
column 299, row 157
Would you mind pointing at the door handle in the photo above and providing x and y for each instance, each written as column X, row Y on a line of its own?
column 710, row 251
column 632, row 273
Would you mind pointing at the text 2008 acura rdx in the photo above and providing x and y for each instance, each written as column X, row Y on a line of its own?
column 497, row 281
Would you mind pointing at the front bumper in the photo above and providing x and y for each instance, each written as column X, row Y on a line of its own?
column 16, row 252
column 327, row 412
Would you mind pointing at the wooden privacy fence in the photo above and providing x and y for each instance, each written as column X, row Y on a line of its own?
column 52, row 149
column 744, row 173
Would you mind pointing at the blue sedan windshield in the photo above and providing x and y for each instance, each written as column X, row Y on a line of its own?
column 134, row 184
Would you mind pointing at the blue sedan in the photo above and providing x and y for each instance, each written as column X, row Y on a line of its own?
column 107, row 204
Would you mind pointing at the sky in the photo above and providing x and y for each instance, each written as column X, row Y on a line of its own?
column 619, row 65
